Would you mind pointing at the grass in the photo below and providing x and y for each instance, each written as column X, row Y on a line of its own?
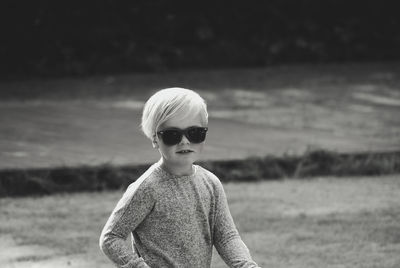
column 275, row 110
column 331, row 222
column 322, row 222
column 319, row 77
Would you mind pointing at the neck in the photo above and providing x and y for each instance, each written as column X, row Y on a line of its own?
column 177, row 170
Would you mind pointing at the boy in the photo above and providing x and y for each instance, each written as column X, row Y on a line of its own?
column 176, row 211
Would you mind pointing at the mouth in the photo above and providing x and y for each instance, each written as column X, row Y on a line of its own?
column 185, row 152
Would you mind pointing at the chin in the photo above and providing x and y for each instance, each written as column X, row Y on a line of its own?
column 188, row 161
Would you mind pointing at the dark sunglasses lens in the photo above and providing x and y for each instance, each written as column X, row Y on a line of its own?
column 197, row 135
column 171, row 137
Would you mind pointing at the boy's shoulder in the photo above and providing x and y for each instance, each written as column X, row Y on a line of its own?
column 210, row 176
column 145, row 182
column 206, row 172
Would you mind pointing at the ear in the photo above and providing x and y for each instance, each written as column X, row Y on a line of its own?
column 155, row 144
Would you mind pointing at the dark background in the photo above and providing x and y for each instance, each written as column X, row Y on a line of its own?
column 78, row 38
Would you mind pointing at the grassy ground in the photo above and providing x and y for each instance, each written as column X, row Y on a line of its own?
column 323, row 222
column 285, row 109
column 330, row 222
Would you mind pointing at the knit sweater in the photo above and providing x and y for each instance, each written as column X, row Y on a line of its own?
column 175, row 221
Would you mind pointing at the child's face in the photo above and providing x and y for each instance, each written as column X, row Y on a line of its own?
column 180, row 157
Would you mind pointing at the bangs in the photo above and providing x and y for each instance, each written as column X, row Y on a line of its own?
column 185, row 110
column 183, row 107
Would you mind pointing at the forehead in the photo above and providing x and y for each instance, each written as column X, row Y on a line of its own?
column 183, row 121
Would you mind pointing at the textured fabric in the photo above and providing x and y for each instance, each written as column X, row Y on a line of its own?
column 174, row 222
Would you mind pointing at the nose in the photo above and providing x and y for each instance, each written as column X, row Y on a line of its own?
column 184, row 140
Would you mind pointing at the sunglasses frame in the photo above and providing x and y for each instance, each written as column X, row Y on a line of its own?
column 182, row 132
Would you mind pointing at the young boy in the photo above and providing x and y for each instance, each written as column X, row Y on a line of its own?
column 176, row 211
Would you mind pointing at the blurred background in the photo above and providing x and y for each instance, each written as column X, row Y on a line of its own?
column 287, row 75
column 69, row 38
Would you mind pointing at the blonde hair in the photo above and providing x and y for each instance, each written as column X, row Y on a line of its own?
column 168, row 103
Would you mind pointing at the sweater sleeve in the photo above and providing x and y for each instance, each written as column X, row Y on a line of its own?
column 130, row 211
column 227, row 240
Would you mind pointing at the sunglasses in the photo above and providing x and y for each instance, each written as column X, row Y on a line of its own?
column 173, row 136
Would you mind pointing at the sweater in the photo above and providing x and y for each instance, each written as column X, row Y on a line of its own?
column 174, row 221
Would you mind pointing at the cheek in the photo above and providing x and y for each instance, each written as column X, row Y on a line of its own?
column 167, row 150
column 199, row 147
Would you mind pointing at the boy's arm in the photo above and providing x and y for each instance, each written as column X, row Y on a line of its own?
column 126, row 216
column 227, row 240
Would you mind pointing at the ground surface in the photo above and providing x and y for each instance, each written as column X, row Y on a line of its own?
column 329, row 222
column 324, row 222
column 252, row 112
